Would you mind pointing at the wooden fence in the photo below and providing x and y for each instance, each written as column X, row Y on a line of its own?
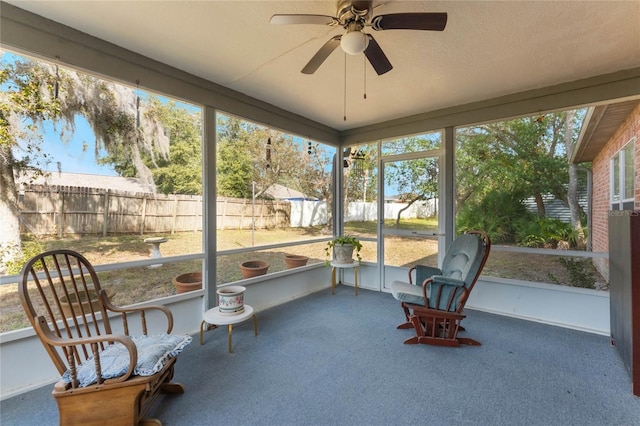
column 63, row 210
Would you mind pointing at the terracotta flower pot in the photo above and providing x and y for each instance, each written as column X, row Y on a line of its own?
column 253, row 268
column 295, row 260
column 187, row 282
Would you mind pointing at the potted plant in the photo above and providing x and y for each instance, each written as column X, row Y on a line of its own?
column 343, row 248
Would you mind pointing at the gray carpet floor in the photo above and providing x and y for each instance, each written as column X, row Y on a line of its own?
column 338, row 360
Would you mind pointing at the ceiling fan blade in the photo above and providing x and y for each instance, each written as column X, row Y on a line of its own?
column 376, row 57
column 321, row 55
column 410, row 21
column 303, row 19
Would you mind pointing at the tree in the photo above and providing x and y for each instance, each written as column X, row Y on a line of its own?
column 520, row 156
column 510, row 161
column 179, row 172
column 248, row 153
column 570, row 141
column 36, row 92
column 417, row 179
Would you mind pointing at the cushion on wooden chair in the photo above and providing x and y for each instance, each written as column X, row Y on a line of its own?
column 153, row 354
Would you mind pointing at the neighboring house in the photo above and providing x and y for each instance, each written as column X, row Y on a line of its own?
column 555, row 208
column 80, row 180
column 281, row 192
column 610, row 139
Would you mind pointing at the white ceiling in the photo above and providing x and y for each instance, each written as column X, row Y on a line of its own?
column 488, row 49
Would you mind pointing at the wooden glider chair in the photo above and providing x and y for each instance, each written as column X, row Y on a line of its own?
column 108, row 376
column 433, row 306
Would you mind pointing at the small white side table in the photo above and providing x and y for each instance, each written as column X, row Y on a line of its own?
column 335, row 265
column 214, row 317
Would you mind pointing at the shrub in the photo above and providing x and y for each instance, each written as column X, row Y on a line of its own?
column 580, row 272
column 29, row 249
column 497, row 214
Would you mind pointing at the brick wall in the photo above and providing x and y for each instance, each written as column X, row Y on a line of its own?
column 601, row 175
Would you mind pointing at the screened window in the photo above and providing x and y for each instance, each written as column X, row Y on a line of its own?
column 622, row 178
column 512, row 180
column 274, row 197
column 106, row 169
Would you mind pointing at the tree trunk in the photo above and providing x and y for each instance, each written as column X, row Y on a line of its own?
column 572, row 190
column 540, row 205
column 10, row 244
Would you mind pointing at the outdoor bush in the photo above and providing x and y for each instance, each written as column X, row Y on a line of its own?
column 30, row 248
column 581, row 272
column 544, row 232
column 497, row 214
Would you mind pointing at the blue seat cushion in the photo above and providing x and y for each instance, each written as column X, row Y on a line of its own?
column 153, row 354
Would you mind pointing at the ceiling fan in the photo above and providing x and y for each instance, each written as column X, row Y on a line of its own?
column 354, row 16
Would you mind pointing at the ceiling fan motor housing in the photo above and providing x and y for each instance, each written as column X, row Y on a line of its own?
column 349, row 12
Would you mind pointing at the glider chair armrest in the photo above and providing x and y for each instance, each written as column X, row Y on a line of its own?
column 439, row 279
column 74, row 346
column 137, row 310
column 444, row 291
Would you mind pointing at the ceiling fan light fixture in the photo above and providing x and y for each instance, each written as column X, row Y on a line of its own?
column 354, row 42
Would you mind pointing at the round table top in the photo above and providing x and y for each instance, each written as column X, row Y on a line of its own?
column 353, row 264
column 213, row 316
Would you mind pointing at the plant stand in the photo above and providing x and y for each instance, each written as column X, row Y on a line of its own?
column 335, row 266
column 213, row 316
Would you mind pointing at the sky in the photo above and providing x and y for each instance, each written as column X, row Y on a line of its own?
column 75, row 155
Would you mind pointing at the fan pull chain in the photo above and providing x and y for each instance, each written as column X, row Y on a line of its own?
column 345, row 87
column 364, row 72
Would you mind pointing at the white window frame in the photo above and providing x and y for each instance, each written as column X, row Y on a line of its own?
column 620, row 158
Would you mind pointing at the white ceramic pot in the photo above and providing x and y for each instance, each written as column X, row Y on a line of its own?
column 231, row 300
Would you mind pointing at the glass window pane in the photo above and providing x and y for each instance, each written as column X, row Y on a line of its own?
column 511, row 181
column 418, row 143
column 629, row 171
column 615, row 179
column 360, row 174
column 119, row 166
column 272, row 188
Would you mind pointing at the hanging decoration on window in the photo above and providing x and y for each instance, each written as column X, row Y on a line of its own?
column 354, row 158
column 268, row 153
column 56, row 84
column 345, row 157
column 357, row 161
column 308, row 147
column 137, row 104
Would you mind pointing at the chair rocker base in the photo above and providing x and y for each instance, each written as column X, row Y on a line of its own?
column 441, row 331
column 439, row 341
column 128, row 402
column 172, row 388
column 405, row 325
